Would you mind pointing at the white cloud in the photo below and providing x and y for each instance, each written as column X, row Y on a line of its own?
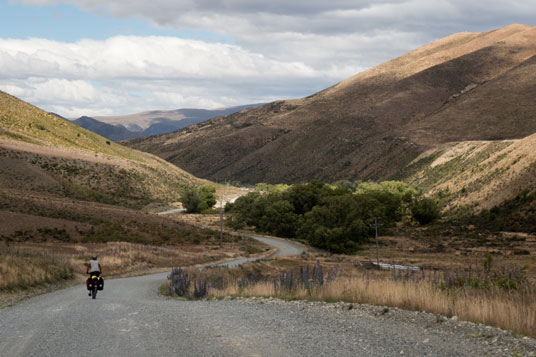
column 304, row 31
column 317, row 32
column 282, row 49
column 139, row 57
column 127, row 73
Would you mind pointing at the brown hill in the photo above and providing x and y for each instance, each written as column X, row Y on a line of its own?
column 62, row 183
column 42, row 153
column 468, row 86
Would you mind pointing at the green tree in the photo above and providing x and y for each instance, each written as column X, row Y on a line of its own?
column 305, row 197
column 190, row 199
column 198, row 199
column 337, row 224
column 329, row 217
column 279, row 218
column 246, row 209
column 207, row 197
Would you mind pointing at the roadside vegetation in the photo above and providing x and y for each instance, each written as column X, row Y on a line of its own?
column 46, row 242
column 498, row 296
column 337, row 218
column 24, row 269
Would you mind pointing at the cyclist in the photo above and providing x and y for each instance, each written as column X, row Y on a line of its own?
column 93, row 268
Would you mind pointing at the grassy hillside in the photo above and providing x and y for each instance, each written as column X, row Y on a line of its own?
column 43, row 153
column 468, row 86
column 481, row 174
column 490, row 185
column 22, row 121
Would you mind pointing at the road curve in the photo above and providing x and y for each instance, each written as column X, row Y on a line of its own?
column 175, row 210
column 283, row 246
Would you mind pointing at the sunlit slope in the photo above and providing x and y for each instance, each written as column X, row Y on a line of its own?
column 25, row 122
column 468, row 86
column 477, row 174
column 44, row 153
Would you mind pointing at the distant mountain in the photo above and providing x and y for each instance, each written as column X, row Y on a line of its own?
column 112, row 132
column 119, row 128
column 468, row 86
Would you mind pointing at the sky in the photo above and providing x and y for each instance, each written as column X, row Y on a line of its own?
column 116, row 57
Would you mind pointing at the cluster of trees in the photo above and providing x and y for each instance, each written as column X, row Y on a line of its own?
column 198, row 199
column 333, row 217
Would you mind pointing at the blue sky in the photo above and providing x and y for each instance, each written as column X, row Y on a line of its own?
column 62, row 22
column 113, row 57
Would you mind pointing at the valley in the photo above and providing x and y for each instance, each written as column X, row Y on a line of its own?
column 66, row 193
column 425, row 161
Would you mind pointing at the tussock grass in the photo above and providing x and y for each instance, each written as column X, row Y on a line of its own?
column 21, row 269
column 511, row 309
column 514, row 311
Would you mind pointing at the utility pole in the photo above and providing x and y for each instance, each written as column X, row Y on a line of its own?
column 221, row 215
column 221, row 226
column 376, row 225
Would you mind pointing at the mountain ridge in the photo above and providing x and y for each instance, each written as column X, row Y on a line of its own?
column 373, row 124
column 154, row 122
column 109, row 131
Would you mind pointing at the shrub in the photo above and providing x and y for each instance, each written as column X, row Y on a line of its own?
column 179, row 282
column 425, row 210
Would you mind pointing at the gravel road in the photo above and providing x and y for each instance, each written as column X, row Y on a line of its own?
column 129, row 318
column 175, row 210
column 284, row 247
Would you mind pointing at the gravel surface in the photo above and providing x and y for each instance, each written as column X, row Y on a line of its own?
column 128, row 318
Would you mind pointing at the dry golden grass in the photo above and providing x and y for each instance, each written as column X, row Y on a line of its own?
column 512, row 310
column 491, row 171
column 21, row 269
